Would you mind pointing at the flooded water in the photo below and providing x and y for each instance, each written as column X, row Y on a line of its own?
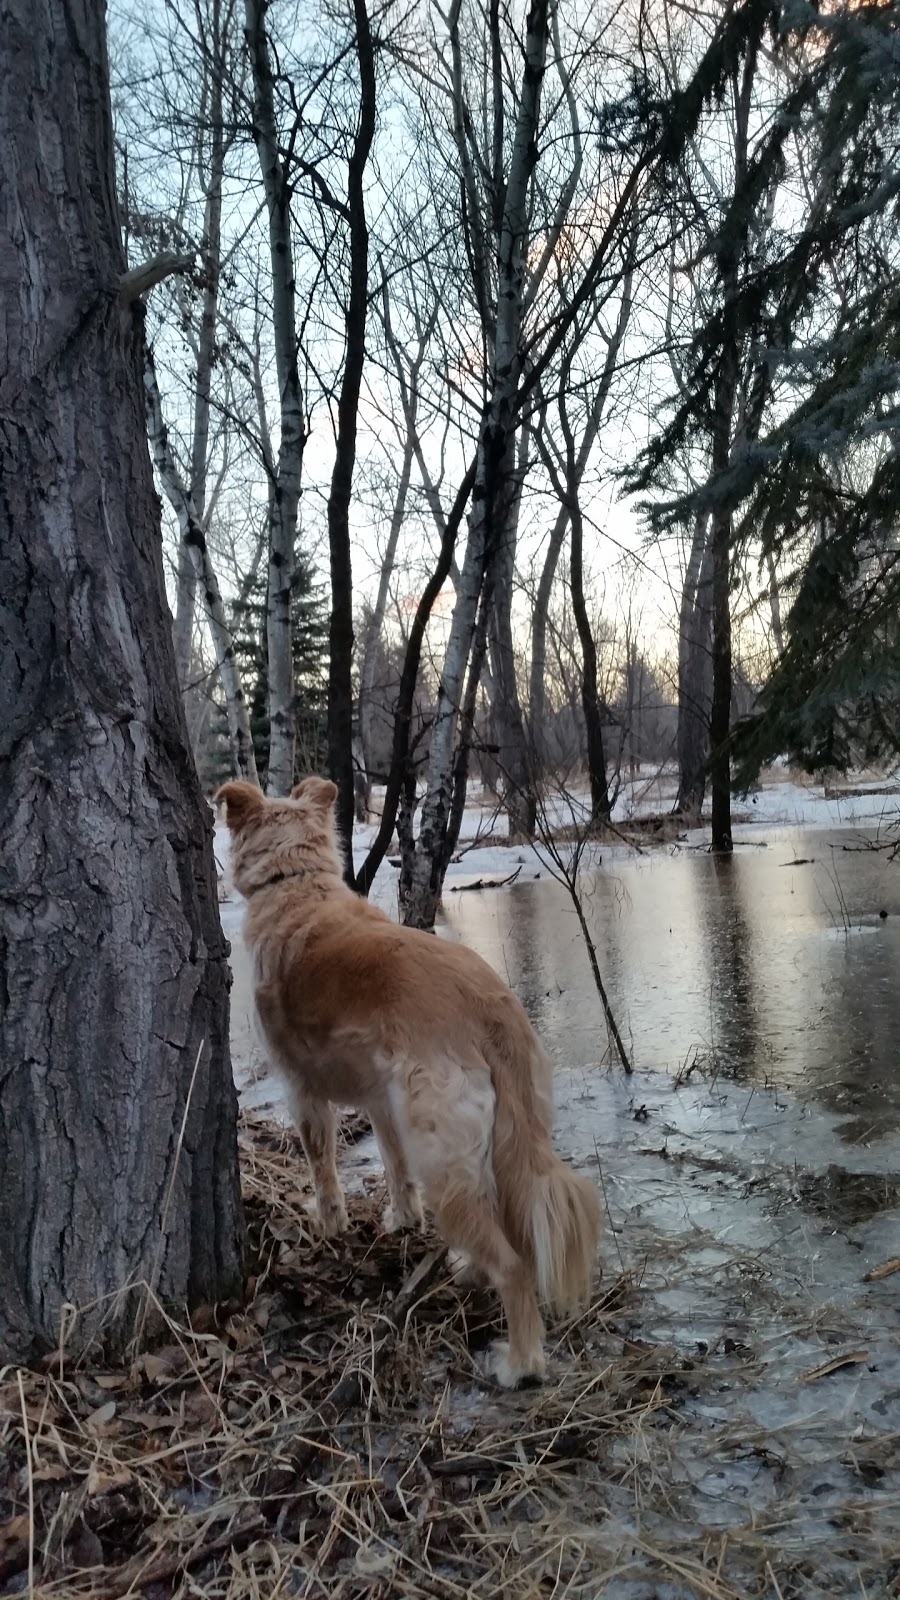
column 750, row 1174
column 778, row 966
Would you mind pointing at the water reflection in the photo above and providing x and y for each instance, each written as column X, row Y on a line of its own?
column 729, row 940
column 776, row 966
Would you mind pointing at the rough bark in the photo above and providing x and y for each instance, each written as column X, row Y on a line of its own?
column 118, row 1162
column 695, row 673
column 284, row 499
column 193, row 541
column 494, row 464
column 340, row 636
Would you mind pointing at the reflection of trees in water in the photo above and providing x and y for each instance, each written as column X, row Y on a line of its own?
column 526, row 975
column 856, row 1071
column 735, row 1004
column 736, row 954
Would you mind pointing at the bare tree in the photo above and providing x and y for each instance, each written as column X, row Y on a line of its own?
column 284, row 497
column 515, row 221
column 118, row 1160
column 493, row 491
column 407, row 369
column 566, row 463
column 340, row 643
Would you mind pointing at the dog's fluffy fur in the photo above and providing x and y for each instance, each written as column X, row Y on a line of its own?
column 423, row 1036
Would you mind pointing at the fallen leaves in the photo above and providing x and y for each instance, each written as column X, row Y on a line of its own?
column 886, row 1270
column 850, row 1358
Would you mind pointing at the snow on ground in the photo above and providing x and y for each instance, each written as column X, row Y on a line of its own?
column 484, row 850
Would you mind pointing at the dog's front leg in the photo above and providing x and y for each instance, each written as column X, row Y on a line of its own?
column 317, row 1126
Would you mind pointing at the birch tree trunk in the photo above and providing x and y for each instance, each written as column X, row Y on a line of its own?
column 193, row 541
column 118, row 1159
column 284, row 499
column 187, row 567
column 494, row 464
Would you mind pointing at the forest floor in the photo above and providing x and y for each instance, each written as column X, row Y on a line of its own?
column 723, row 1422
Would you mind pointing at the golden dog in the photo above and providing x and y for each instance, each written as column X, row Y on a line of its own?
column 424, row 1037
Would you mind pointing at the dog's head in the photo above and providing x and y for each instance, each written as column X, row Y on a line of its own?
column 276, row 839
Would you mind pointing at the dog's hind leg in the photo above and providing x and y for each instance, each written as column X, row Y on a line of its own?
column 404, row 1206
column 450, row 1109
column 316, row 1124
column 469, row 1223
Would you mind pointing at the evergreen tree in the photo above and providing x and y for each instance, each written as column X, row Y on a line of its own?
column 790, row 383
column 309, row 645
column 826, row 492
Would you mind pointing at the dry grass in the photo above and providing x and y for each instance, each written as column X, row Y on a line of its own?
column 333, row 1436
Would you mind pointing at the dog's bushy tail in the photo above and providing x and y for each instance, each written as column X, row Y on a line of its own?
column 550, row 1213
column 565, row 1228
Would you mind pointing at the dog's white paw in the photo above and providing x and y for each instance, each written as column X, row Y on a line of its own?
column 330, row 1218
column 509, row 1374
column 397, row 1216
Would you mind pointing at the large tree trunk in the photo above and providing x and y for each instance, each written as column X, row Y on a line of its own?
column 340, row 636
column 118, row 1162
column 284, row 499
column 695, row 673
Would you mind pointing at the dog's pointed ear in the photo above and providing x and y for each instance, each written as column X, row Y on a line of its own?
column 242, row 801
column 320, row 791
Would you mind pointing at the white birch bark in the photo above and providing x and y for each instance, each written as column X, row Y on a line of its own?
column 212, row 120
column 284, row 500
column 193, row 542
